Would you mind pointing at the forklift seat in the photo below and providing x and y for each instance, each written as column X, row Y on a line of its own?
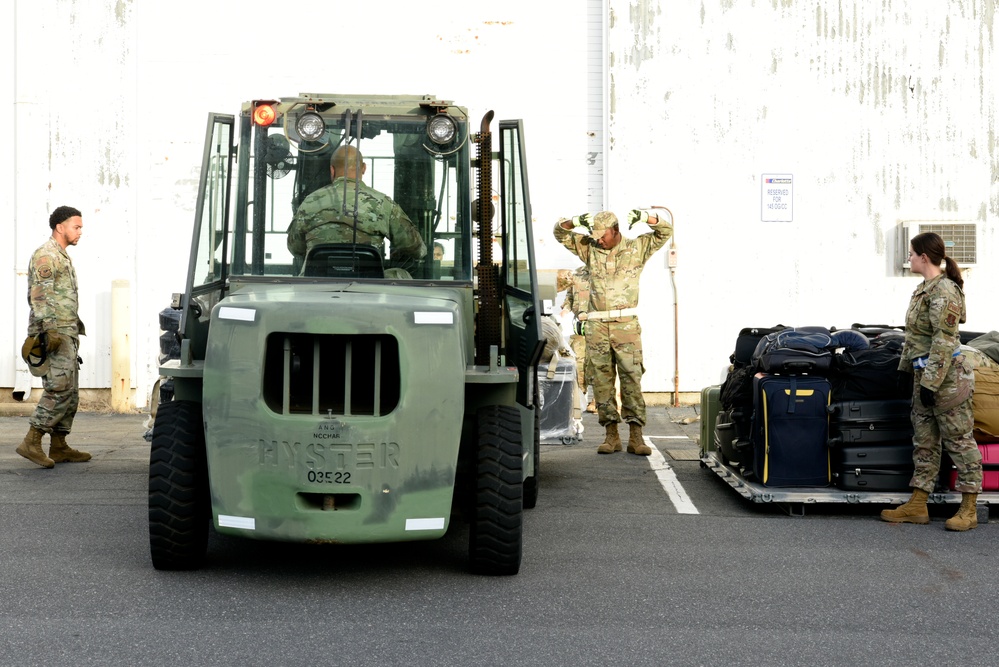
column 343, row 260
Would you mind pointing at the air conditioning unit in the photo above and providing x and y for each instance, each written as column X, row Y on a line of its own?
column 960, row 239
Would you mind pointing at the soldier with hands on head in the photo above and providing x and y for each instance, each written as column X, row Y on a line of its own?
column 943, row 384
column 613, row 334
column 54, row 330
column 322, row 217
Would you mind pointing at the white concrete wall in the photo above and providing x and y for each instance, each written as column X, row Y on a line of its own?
column 882, row 111
column 111, row 99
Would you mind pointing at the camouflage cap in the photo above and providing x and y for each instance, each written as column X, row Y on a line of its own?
column 601, row 223
column 35, row 355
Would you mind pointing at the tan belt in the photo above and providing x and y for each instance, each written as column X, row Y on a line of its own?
column 601, row 315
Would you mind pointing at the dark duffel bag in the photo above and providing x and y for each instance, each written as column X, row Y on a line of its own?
column 873, row 330
column 871, row 374
column 737, row 389
column 795, row 351
column 746, row 343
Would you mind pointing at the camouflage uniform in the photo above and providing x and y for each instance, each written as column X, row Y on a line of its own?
column 320, row 219
column 52, row 296
column 931, row 337
column 614, row 346
column 577, row 300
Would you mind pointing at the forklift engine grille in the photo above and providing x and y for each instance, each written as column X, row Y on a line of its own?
column 331, row 375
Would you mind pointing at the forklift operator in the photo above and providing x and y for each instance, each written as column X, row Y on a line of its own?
column 328, row 216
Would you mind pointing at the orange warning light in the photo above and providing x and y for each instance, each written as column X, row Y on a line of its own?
column 264, row 115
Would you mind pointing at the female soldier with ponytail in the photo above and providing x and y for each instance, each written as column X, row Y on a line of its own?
column 943, row 382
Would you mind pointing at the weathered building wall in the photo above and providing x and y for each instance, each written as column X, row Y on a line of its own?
column 882, row 112
column 111, row 98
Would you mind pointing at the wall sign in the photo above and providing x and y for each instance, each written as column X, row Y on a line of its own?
column 776, row 198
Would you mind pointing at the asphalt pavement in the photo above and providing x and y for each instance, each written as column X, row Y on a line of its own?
column 613, row 573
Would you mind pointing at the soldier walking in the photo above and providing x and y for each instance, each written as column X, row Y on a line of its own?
column 943, row 384
column 613, row 334
column 51, row 349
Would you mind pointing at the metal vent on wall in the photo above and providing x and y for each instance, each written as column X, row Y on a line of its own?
column 960, row 239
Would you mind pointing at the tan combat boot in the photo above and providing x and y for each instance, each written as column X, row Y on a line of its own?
column 967, row 514
column 913, row 511
column 60, row 452
column 591, row 407
column 612, row 441
column 636, row 444
column 31, row 448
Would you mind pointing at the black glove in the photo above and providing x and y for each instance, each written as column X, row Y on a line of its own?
column 927, row 397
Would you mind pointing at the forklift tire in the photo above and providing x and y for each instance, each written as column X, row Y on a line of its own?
column 496, row 532
column 179, row 499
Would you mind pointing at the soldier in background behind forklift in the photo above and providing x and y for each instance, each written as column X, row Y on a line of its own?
column 613, row 334
column 576, row 285
column 54, row 330
column 943, row 385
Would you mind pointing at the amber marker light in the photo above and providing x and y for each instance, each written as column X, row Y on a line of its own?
column 263, row 115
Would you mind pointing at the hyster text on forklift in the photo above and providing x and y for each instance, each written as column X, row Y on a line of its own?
column 337, row 389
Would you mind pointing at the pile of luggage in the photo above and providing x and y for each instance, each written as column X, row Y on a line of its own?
column 817, row 406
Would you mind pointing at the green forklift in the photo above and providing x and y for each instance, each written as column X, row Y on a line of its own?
column 353, row 394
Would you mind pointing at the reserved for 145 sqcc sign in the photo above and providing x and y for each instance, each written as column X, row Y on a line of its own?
column 776, row 198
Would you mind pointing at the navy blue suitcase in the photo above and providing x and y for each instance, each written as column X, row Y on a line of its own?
column 790, row 430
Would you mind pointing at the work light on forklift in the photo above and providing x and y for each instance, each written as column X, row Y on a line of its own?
column 441, row 129
column 310, row 126
column 263, row 115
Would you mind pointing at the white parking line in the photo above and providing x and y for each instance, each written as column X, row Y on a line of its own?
column 670, row 483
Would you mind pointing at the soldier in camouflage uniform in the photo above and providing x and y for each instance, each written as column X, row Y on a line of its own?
column 943, row 384
column 322, row 217
column 576, row 285
column 613, row 334
column 55, row 326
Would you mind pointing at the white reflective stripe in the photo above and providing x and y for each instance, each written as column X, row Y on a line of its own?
column 434, row 317
column 241, row 314
column 425, row 524
column 244, row 522
column 613, row 314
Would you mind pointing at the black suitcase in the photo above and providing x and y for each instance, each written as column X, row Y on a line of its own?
column 870, row 422
column 895, row 455
column 888, row 410
column 880, row 467
column 790, row 429
column 871, row 479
